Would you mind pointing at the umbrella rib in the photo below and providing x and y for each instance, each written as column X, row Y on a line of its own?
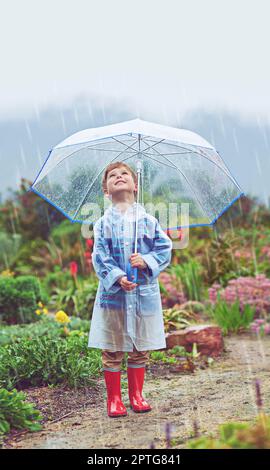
column 211, row 161
column 175, row 144
column 151, row 158
column 151, row 146
column 180, row 153
column 127, row 146
column 178, row 169
column 106, row 150
column 147, row 148
column 89, row 189
column 85, row 148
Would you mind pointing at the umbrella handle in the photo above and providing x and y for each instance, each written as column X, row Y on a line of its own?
column 132, row 272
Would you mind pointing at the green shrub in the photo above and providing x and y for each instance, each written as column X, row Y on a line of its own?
column 45, row 326
column 56, row 279
column 220, row 263
column 229, row 317
column 15, row 412
column 24, row 262
column 65, row 234
column 18, row 298
column 48, row 360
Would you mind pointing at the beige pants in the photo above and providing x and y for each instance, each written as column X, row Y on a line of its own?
column 112, row 360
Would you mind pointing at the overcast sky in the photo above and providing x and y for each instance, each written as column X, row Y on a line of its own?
column 169, row 56
column 66, row 65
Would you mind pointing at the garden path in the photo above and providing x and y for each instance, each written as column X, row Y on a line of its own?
column 222, row 392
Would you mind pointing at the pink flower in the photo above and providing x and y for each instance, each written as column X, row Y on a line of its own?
column 254, row 291
column 265, row 252
column 267, row 329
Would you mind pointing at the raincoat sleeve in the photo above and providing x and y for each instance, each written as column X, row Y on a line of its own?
column 106, row 268
column 160, row 256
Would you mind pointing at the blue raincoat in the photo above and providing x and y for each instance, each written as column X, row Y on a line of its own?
column 122, row 319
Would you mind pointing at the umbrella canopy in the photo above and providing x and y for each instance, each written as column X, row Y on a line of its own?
column 177, row 166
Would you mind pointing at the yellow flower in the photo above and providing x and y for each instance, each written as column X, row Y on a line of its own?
column 45, row 310
column 38, row 312
column 7, row 273
column 62, row 317
column 40, row 304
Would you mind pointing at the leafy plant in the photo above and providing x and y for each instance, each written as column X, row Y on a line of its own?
column 19, row 297
column 46, row 326
column 219, row 260
column 65, row 234
column 56, row 278
column 178, row 318
column 178, row 351
column 48, row 360
column 190, row 276
column 78, row 299
column 182, row 352
column 15, row 412
column 171, row 290
column 230, row 317
column 237, row 435
column 248, row 290
column 26, row 213
column 10, row 244
column 161, row 356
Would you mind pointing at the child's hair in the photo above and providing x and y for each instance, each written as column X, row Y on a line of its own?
column 112, row 166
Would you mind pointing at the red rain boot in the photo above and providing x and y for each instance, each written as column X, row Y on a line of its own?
column 135, row 386
column 115, row 406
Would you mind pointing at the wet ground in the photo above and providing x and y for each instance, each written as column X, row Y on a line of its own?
column 224, row 391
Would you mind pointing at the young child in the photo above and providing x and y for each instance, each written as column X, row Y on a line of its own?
column 127, row 316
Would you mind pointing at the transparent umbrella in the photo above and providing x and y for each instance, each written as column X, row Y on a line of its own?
column 173, row 166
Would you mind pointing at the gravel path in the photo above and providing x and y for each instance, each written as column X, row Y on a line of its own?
column 222, row 392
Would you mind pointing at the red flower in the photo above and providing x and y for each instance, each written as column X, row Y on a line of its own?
column 73, row 268
column 89, row 243
column 180, row 234
column 171, row 233
column 87, row 254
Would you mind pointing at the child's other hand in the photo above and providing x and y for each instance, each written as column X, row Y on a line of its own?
column 125, row 284
column 137, row 261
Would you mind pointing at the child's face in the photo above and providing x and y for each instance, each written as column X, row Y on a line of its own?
column 120, row 179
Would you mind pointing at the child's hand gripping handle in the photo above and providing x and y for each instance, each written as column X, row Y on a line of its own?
column 132, row 272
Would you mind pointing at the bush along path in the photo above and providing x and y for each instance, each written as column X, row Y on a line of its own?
column 189, row 402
